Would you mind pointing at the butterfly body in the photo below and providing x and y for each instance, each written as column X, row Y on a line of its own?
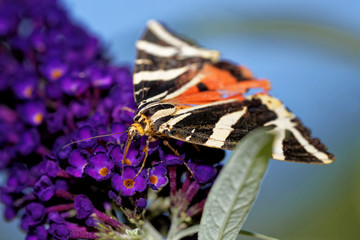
column 187, row 93
column 145, row 121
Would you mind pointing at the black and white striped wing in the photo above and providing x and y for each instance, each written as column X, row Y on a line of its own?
column 166, row 64
column 222, row 124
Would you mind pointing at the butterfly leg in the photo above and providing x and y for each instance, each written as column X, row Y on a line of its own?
column 196, row 147
column 178, row 155
column 146, row 151
column 128, row 109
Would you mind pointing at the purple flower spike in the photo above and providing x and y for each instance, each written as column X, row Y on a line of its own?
column 83, row 206
column 32, row 112
column 157, row 177
column 61, row 92
column 203, row 173
column 59, row 231
column 44, row 189
column 83, row 133
column 127, row 183
column 100, row 166
column 78, row 161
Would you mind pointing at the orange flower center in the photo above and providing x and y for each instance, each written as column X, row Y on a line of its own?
column 103, row 171
column 28, row 91
column 38, row 118
column 56, row 73
column 129, row 183
column 127, row 162
column 153, row 179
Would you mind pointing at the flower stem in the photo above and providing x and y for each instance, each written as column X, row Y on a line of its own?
column 109, row 220
column 149, row 228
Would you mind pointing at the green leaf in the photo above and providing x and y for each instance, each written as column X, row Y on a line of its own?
column 236, row 188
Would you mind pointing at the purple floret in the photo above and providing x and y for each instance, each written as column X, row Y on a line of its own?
column 44, row 189
column 127, row 184
column 29, row 140
column 32, row 112
column 82, row 134
column 77, row 161
column 141, row 203
column 59, row 231
column 34, row 214
column 54, row 69
column 100, row 166
column 203, row 173
column 157, row 176
column 100, row 77
column 83, row 206
column 74, row 85
column 55, row 120
column 25, row 87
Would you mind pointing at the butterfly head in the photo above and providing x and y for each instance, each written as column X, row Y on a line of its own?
column 134, row 133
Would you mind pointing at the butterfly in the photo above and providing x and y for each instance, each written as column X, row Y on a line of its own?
column 186, row 92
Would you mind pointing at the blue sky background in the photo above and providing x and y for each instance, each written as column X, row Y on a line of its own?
column 310, row 50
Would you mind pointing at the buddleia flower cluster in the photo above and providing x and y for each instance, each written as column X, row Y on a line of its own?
column 57, row 87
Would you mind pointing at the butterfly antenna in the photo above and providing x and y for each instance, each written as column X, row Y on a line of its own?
column 89, row 138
